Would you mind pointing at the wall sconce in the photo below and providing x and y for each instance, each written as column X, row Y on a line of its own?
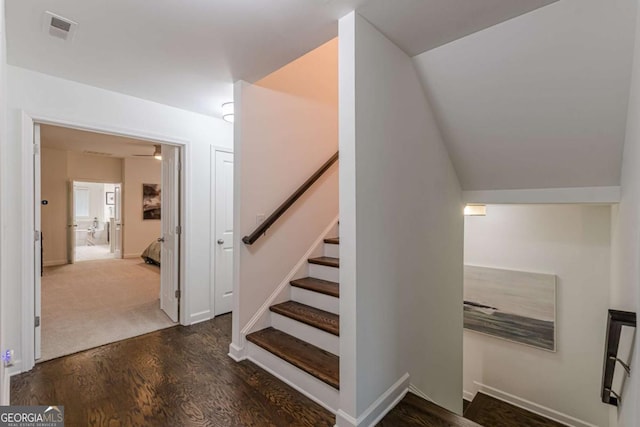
column 227, row 112
column 475, row 210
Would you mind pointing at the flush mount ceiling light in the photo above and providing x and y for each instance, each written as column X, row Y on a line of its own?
column 227, row 112
column 475, row 210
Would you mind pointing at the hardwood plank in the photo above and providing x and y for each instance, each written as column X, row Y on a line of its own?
column 490, row 411
column 326, row 260
column 311, row 316
column 333, row 240
column 180, row 376
column 318, row 285
column 311, row 359
column 415, row 411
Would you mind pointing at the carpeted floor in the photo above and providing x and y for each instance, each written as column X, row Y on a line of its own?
column 92, row 303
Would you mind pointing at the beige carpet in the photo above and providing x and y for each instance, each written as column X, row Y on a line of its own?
column 92, row 303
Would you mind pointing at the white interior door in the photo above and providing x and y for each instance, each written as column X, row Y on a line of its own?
column 117, row 221
column 223, row 211
column 71, row 223
column 170, row 211
column 37, row 247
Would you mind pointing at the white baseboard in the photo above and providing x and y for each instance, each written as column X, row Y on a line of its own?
column 199, row 317
column 237, row 353
column 5, row 399
column 544, row 411
column 467, row 395
column 378, row 409
column 54, row 263
column 415, row 390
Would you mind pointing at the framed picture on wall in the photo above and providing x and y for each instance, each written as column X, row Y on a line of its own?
column 516, row 306
column 110, row 198
column 150, row 201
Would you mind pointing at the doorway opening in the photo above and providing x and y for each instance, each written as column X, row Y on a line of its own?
column 94, row 221
column 107, row 264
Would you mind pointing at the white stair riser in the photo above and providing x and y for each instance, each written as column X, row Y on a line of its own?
column 314, row 336
column 308, row 385
column 324, row 272
column 315, row 299
column 332, row 250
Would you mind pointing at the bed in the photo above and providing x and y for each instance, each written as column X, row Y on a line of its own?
column 151, row 255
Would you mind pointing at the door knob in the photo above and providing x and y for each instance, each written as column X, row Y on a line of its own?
column 220, row 241
column 160, row 239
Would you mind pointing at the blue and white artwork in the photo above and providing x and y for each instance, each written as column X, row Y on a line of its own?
column 514, row 305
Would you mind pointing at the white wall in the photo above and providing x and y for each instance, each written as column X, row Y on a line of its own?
column 401, row 232
column 4, row 382
column 58, row 167
column 285, row 130
column 626, row 241
column 573, row 242
column 68, row 101
column 138, row 233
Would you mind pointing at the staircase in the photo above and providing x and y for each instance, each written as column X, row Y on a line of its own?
column 302, row 345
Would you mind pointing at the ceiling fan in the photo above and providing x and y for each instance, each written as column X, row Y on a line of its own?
column 157, row 153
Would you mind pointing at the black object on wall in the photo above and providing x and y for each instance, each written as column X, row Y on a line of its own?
column 617, row 319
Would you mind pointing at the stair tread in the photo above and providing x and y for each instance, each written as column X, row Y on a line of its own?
column 332, row 240
column 318, row 285
column 311, row 359
column 311, row 316
column 326, row 260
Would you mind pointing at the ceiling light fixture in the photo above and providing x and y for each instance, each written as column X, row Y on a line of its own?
column 227, row 112
column 475, row 210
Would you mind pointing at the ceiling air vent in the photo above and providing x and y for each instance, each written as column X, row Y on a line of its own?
column 58, row 26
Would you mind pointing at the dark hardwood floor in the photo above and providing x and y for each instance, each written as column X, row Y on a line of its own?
column 174, row 377
column 492, row 412
column 415, row 411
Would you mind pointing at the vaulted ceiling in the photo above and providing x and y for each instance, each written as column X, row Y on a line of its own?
column 188, row 53
column 539, row 101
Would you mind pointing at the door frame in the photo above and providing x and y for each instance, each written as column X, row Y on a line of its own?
column 212, row 224
column 28, row 122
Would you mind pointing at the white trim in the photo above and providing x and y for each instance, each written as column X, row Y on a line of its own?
column 316, row 390
column 6, row 389
column 28, row 120
column 262, row 315
column 378, row 409
column 54, row 263
column 200, row 317
column 605, row 195
column 536, row 408
column 237, row 353
column 467, row 395
column 415, row 390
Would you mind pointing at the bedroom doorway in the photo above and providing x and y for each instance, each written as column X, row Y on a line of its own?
column 122, row 196
column 94, row 228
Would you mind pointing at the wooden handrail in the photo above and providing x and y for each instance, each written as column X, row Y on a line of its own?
column 262, row 228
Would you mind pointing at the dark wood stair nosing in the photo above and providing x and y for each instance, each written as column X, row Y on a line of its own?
column 320, row 286
column 326, row 261
column 266, row 339
column 332, row 240
column 314, row 317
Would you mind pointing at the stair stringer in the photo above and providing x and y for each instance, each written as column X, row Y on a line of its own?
column 262, row 319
